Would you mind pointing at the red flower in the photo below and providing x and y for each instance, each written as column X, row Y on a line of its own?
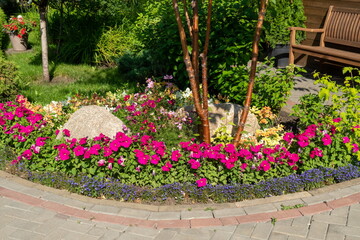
column 23, row 31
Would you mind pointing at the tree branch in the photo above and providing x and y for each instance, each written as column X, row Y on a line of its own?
column 188, row 20
column 255, row 53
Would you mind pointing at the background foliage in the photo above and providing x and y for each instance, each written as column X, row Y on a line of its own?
column 141, row 38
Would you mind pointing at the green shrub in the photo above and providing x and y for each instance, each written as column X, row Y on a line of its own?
column 272, row 86
column 3, row 37
column 333, row 101
column 114, row 43
column 160, row 52
column 76, row 27
column 336, row 105
column 279, row 17
column 9, row 80
column 232, row 29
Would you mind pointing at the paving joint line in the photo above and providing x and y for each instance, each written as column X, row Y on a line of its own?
column 180, row 223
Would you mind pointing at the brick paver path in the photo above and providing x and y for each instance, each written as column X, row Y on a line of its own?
column 32, row 211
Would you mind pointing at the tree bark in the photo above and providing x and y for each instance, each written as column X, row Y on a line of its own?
column 192, row 67
column 42, row 6
column 44, row 44
column 255, row 53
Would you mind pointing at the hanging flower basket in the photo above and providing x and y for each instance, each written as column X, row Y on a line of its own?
column 19, row 44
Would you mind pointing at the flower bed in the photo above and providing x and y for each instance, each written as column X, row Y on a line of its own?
column 152, row 165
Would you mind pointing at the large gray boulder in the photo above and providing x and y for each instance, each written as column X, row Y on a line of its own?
column 228, row 114
column 90, row 121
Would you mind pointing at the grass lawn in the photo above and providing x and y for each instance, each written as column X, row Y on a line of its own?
column 67, row 79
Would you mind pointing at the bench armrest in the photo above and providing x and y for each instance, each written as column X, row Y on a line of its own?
column 294, row 29
column 306, row 29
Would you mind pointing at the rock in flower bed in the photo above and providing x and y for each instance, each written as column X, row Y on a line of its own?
column 144, row 164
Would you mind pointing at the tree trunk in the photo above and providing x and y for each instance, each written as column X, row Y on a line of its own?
column 44, row 41
column 192, row 66
column 255, row 53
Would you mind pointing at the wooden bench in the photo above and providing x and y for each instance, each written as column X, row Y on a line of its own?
column 341, row 29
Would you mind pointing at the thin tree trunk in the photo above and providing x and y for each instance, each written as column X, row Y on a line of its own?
column 192, row 68
column 44, row 41
column 204, row 73
column 255, row 53
column 195, row 40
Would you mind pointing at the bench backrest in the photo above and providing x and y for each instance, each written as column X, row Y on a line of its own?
column 342, row 26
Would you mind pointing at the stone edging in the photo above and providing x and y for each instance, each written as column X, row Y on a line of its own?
column 132, row 214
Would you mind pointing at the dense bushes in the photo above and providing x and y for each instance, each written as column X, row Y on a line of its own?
column 142, row 39
column 279, row 17
column 75, row 27
column 3, row 37
column 272, row 86
column 9, row 80
column 113, row 43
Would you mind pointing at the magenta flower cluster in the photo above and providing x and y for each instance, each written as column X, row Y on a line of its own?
column 139, row 152
column 22, row 125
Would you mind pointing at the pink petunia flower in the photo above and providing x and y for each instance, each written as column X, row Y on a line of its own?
column 175, row 155
column 121, row 161
column 288, row 137
column 303, row 141
column 256, row 148
column 19, row 138
column 101, row 163
column 26, row 129
column 154, row 159
column 264, row 166
column 201, row 182
column 316, row 152
column 243, row 166
column 107, row 151
column 166, row 167
column 35, row 149
column 326, row 139
column 244, row 153
column 64, row 154
column 355, row 148
column 83, row 141
column 110, row 166
column 230, row 148
column 34, row 118
column 337, row 120
column 66, row 132
column 194, row 164
column 79, row 150
column 40, row 141
column 27, row 154
column 310, row 131
column 346, row 140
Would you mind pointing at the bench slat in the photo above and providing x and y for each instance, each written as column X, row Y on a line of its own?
column 341, row 27
column 329, row 54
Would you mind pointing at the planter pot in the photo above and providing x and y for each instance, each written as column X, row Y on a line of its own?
column 18, row 44
column 281, row 55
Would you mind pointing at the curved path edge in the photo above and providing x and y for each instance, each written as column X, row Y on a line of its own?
column 180, row 216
